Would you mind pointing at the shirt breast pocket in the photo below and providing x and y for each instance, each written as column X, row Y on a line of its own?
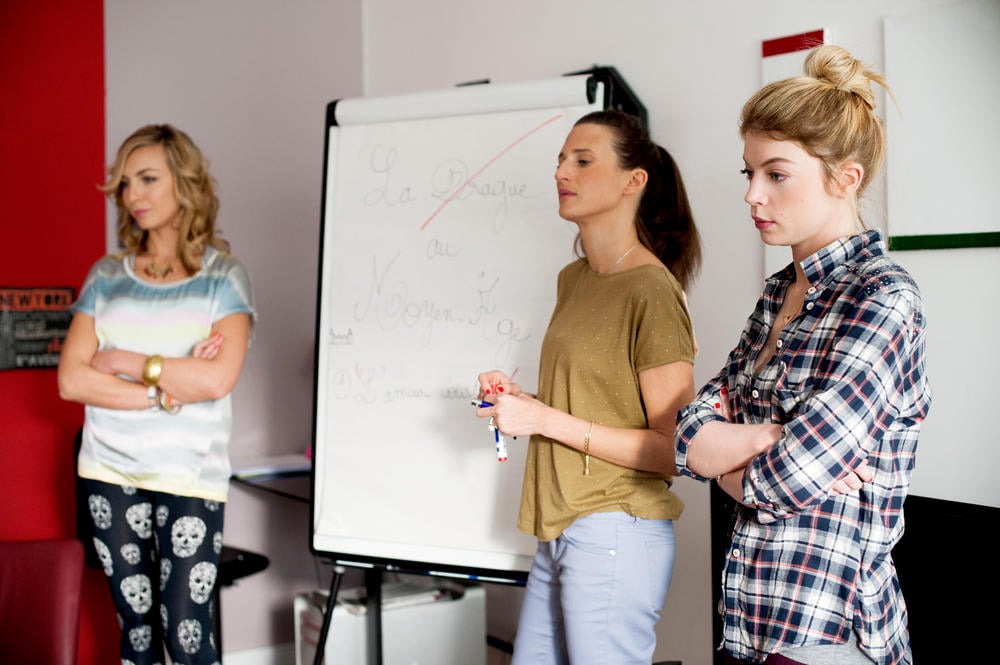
column 795, row 385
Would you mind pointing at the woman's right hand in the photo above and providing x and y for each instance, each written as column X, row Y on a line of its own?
column 513, row 411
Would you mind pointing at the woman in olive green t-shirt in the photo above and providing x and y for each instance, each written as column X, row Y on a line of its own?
column 616, row 365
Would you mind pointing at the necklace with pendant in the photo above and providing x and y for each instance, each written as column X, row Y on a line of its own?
column 622, row 257
column 158, row 272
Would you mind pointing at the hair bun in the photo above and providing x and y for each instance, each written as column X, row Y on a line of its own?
column 833, row 65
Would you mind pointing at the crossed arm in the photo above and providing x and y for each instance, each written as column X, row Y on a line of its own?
column 723, row 450
column 95, row 377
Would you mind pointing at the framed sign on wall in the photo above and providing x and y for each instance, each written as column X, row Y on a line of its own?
column 33, row 325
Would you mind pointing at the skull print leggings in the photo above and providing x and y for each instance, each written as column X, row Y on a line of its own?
column 161, row 555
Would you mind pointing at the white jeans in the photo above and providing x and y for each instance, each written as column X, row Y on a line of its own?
column 594, row 594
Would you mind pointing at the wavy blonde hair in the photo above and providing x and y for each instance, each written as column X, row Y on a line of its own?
column 830, row 112
column 193, row 187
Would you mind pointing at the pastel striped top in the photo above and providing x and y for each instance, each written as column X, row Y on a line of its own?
column 188, row 453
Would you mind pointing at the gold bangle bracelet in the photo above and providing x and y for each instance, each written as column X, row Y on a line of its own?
column 586, row 448
column 152, row 369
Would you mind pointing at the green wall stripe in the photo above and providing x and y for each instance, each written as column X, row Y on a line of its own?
column 945, row 241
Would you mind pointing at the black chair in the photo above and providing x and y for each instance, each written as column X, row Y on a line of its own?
column 234, row 563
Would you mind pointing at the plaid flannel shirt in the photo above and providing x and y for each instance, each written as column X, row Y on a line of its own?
column 805, row 567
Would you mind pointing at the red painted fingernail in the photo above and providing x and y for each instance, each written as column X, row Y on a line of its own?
column 487, row 391
column 499, row 389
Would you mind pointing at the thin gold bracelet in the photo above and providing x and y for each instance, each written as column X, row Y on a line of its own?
column 586, row 449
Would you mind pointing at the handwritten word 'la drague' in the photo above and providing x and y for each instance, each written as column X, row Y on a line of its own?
column 450, row 180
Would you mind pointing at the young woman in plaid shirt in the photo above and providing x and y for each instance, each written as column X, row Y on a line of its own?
column 812, row 423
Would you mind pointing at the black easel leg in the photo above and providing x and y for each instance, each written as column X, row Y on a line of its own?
column 373, row 588
column 331, row 601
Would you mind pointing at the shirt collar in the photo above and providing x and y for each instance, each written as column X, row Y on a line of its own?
column 822, row 263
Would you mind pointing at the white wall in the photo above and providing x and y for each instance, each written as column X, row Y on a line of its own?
column 250, row 80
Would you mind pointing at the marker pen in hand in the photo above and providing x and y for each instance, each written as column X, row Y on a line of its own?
column 501, row 445
column 487, row 405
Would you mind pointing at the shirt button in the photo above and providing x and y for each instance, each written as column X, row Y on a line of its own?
column 809, row 306
column 736, row 552
column 779, row 344
column 755, row 393
column 811, row 289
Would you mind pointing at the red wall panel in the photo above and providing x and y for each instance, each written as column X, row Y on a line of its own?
column 51, row 231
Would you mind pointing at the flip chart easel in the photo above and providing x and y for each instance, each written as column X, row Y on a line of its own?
column 440, row 247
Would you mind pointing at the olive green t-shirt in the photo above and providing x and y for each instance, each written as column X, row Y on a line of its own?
column 604, row 330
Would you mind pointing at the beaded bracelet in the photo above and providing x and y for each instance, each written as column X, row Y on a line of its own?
column 152, row 397
column 167, row 403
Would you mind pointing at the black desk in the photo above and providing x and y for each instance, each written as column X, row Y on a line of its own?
column 283, row 475
column 294, row 487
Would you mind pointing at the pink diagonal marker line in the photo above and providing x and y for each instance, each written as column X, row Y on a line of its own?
column 484, row 167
